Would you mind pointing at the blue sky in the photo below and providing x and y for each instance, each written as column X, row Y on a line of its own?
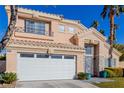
column 84, row 13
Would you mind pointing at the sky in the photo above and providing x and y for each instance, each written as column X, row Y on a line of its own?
column 86, row 14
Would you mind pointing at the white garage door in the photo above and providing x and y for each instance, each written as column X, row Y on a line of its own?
column 45, row 67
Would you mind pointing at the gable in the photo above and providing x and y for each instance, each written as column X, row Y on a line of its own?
column 93, row 35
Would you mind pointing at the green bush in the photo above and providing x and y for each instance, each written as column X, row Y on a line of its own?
column 118, row 71
column 8, row 78
column 2, row 57
column 1, row 79
column 110, row 73
column 81, row 76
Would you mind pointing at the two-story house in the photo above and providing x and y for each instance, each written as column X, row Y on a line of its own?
column 47, row 46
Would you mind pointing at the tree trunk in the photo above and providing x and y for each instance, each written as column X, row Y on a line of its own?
column 10, row 29
column 111, row 35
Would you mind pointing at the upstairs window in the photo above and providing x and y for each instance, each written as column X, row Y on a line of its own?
column 35, row 27
column 61, row 28
column 71, row 29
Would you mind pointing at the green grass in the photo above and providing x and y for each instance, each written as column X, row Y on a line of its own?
column 117, row 83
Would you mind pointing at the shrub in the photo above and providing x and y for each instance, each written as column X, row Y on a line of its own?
column 2, row 57
column 8, row 78
column 1, row 79
column 118, row 71
column 81, row 75
column 110, row 73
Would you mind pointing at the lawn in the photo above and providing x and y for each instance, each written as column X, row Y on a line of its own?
column 117, row 83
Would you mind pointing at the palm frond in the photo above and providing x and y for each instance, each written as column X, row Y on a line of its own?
column 104, row 12
column 95, row 24
column 117, row 10
column 121, row 9
column 116, row 26
column 102, row 32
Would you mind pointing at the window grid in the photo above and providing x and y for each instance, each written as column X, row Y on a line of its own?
column 89, row 50
column 35, row 27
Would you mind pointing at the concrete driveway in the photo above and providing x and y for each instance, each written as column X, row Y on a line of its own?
column 55, row 84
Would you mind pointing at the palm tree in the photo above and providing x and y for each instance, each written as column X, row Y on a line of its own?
column 115, row 28
column 102, row 32
column 11, row 26
column 114, row 34
column 111, row 11
column 95, row 24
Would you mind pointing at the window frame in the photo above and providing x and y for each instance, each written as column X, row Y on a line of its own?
column 60, row 30
column 71, row 29
column 36, row 30
column 89, row 50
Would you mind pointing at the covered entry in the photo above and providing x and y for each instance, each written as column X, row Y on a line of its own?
column 91, row 59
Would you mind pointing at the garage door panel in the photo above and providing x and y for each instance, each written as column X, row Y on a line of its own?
column 45, row 68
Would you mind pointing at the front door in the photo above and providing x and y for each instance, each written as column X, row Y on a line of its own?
column 89, row 59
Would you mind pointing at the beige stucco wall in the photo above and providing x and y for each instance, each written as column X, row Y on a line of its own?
column 13, row 52
column 58, row 37
column 103, row 47
column 11, row 62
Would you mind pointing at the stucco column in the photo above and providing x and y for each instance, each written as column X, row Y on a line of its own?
column 11, row 61
column 80, row 63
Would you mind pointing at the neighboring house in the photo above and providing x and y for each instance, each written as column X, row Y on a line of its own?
column 47, row 46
